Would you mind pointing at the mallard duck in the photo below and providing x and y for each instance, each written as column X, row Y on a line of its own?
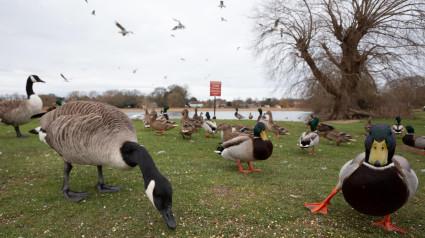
column 415, row 141
column 321, row 126
column 250, row 116
column 261, row 118
column 368, row 125
column 337, row 136
column 274, row 127
column 237, row 115
column 376, row 182
column 398, row 127
column 187, row 126
column 228, row 132
column 146, row 120
column 209, row 125
column 310, row 138
column 247, row 149
column 159, row 125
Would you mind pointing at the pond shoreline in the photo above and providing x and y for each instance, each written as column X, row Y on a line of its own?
column 202, row 109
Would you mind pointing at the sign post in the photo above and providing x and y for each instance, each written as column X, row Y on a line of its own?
column 215, row 90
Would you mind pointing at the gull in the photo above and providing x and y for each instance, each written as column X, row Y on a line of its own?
column 172, row 35
column 165, row 76
column 66, row 80
column 93, row 12
column 123, row 30
column 222, row 19
column 238, row 48
column 87, row 1
column 221, row 4
column 182, row 59
column 134, row 71
column 179, row 26
column 273, row 28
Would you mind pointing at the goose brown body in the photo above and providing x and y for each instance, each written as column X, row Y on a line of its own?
column 105, row 129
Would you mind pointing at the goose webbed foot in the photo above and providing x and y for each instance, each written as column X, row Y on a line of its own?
column 105, row 188
column 18, row 133
column 74, row 196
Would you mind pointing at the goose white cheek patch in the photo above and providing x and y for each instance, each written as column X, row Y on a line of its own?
column 149, row 190
column 33, row 79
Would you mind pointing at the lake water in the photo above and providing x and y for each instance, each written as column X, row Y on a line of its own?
column 229, row 115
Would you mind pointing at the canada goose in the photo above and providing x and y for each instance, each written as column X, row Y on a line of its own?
column 180, row 26
column 19, row 111
column 94, row 133
column 274, row 127
column 123, row 31
column 376, row 182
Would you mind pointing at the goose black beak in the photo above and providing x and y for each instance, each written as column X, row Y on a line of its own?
column 169, row 217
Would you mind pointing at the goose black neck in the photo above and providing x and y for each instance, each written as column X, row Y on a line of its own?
column 29, row 87
column 135, row 154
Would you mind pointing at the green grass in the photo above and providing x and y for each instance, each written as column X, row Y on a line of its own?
column 211, row 197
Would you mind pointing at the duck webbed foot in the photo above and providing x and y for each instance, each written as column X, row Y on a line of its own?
column 387, row 225
column 252, row 169
column 321, row 207
column 242, row 170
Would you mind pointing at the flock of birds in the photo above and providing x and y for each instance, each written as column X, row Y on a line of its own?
column 98, row 134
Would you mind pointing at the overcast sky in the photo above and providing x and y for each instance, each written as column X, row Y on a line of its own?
column 48, row 37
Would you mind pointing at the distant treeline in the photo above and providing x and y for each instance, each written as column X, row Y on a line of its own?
column 173, row 96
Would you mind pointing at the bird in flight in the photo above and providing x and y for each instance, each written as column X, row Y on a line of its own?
column 134, row 71
column 273, row 28
column 221, row 4
column 179, row 26
column 123, row 30
column 93, row 12
column 223, row 19
column 66, row 80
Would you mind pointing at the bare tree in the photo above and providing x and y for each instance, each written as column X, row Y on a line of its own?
column 341, row 44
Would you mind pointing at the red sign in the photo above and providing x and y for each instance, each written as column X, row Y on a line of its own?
column 215, row 88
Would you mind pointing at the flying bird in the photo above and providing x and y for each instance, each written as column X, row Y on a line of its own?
column 179, row 26
column 172, row 35
column 223, row 19
column 66, row 80
column 93, row 12
column 238, row 48
column 273, row 28
column 221, row 5
column 134, row 71
column 123, row 30
column 182, row 59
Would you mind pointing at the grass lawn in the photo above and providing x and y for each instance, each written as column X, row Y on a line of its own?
column 211, row 197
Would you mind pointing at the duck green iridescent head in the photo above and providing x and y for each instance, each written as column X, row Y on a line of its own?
column 410, row 129
column 380, row 145
column 260, row 111
column 398, row 119
column 166, row 108
column 260, row 131
column 236, row 109
column 207, row 115
column 58, row 102
column 314, row 123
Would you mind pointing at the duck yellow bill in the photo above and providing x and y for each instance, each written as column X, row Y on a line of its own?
column 378, row 154
column 263, row 135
